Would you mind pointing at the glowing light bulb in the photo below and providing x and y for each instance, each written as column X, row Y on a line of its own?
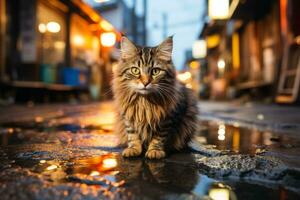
column 53, row 27
column 108, row 39
column 42, row 28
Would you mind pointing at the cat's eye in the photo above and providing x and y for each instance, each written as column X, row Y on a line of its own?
column 135, row 71
column 155, row 71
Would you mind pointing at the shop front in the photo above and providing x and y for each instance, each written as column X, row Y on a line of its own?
column 289, row 81
column 268, row 34
column 55, row 45
column 259, row 55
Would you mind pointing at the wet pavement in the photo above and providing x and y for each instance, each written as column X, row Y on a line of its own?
column 273, row 117
column 70, row 152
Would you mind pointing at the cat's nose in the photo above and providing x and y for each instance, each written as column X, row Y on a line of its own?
column 145, row 83
column 145, row 80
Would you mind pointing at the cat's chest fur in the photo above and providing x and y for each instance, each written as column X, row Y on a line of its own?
column 143, row 112
column 145, row 117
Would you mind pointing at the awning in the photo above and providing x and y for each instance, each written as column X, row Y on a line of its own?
column 96, row 19
column 250, row 9
column 90, row 12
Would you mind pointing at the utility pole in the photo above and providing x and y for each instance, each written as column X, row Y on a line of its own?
column 165, row 25
column 145, row 22
column 134, row 21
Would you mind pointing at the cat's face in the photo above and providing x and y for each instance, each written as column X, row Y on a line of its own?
column 146, row 70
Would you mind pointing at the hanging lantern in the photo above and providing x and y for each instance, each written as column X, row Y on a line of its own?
column 108, row 39
column 199, row 49
column 218, row 9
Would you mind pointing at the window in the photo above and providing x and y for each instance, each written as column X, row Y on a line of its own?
column 51, row 35
column 85, row 44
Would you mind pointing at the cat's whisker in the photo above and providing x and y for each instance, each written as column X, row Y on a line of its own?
column 162, row 96
column 169, row 93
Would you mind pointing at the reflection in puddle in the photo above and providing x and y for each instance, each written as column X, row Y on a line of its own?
column 240, row 140
column 219, row 191
column 215, row 190
column 174, row 177
column 177, row 176
column 100, row 164
column 221, row 132
column 94, row 173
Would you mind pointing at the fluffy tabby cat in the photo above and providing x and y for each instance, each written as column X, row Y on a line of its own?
column 156, row 113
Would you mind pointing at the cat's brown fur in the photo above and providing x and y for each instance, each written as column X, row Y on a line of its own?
column 156, row 113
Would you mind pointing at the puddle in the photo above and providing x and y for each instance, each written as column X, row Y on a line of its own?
column 67, row 154
column 137, row 177
column 224, row 137
column 242, row 140
column 173, row 178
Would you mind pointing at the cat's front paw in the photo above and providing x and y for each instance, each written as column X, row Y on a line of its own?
column 155, row 154
column 131, row 152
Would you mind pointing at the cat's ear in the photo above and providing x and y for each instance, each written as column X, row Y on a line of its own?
column 128, row 49
column 164, row 50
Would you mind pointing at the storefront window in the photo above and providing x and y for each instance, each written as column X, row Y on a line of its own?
column 52, row 35
column 85, row 44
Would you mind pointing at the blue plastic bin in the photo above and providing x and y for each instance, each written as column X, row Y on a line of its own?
column 75, row 76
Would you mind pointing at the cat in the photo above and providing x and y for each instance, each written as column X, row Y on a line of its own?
column 156, row 113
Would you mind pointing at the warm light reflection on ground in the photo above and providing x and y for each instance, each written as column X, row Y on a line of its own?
column 219, row 191
column 105, row 118
column 102, row 119
column 109, row 163
column 221, row 132
column 97, row 165
column 51, row 167
column 94, row 173
column 237, row 139
column 219, row 194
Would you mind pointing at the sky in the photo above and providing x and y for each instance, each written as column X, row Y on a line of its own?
column 184, row 21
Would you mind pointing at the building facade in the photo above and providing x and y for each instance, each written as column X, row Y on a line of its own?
column 53, row 45
column 248, row 52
